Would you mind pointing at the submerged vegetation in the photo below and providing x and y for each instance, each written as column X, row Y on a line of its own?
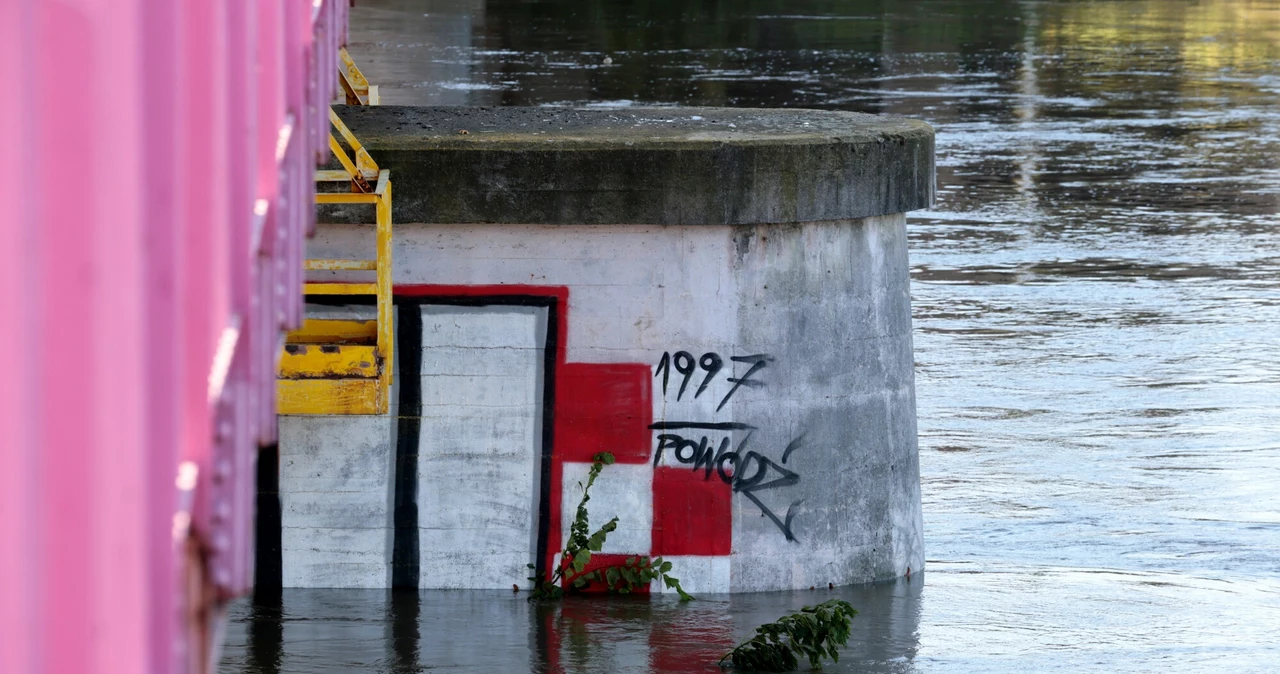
column 815, row 632
column 632, row 575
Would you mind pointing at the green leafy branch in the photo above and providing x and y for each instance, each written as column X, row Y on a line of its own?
column 625, row 578
column 815, row 632
column 635, row 573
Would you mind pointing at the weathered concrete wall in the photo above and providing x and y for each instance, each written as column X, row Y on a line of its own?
column 833, row 302
column 820, row 311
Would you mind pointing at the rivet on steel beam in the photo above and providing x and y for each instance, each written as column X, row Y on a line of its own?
column 181, row 525
column 188, row 471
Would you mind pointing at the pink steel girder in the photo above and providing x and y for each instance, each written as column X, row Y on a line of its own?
column 151, row 255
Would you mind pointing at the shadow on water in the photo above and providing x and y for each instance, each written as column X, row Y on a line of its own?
column 404, row 609
column 402, row 632
column 264, row 638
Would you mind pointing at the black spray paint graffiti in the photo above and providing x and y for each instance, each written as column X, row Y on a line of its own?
column 745, row 471
column 711, row 363
column 734, row 467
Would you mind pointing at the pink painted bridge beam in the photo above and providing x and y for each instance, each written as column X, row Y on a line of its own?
column 156, row 201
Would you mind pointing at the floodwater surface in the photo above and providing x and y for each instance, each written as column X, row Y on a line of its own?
column 1097, row 327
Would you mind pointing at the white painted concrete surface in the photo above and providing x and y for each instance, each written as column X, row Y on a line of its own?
column 698, row 574
column 480, row 448
column 335, row 490
column 634, row 291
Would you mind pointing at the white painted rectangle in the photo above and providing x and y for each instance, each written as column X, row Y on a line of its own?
column 697, row 574
column 622, row 490
column 481, row 443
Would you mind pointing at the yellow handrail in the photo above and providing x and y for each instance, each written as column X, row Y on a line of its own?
column 338, row 377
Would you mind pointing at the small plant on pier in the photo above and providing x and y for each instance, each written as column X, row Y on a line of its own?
column 815, row 632
column 636, row 573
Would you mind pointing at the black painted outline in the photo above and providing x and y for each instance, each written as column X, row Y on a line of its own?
column 408, row 480
column 406, row 565
column 268, row 563
column 550, row 350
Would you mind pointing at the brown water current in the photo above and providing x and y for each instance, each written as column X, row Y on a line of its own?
column 1097, row 327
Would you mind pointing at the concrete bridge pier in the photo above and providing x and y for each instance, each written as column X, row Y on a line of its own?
column 718, row 297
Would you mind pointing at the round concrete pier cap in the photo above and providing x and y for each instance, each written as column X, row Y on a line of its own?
column 654, row 166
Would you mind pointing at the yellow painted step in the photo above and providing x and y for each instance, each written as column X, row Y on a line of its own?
column 330, row 396
column 346, row 198
column 319, row 361
column 340, row 289
column 327, row 331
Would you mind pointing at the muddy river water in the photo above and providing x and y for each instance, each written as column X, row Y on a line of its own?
column 1097, row 327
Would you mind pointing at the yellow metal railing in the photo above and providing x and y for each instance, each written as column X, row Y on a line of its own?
column 353, row 83
column 346, row 366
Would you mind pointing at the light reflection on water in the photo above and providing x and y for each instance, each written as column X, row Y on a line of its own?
column 1097, row 324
